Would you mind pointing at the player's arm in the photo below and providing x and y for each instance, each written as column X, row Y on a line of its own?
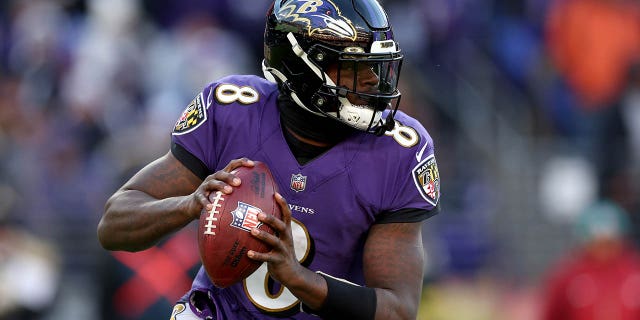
column 161, row 198
column 393, row 265
column 153, row 203
column 393, row 270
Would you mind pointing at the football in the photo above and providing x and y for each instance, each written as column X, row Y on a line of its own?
column 224, row 233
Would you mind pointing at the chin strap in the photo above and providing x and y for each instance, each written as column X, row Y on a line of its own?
column 388, row 125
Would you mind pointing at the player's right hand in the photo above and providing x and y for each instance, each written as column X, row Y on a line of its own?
column 223, row 180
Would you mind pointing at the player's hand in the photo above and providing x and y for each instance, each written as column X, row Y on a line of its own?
column 281, row 260
column 222, row 181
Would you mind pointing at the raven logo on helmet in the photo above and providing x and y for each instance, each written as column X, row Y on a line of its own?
column 319, row 16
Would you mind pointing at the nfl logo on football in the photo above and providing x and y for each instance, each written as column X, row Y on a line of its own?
column 298, row 182
column 245, row 217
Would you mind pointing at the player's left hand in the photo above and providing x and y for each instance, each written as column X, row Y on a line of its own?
column 281, row 260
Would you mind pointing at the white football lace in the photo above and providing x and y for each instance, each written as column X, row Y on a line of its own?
column 211, row 217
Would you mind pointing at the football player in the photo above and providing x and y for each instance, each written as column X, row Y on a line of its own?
column 358, row 176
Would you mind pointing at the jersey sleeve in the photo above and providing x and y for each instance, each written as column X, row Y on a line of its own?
column 412, row 182
column 406, row 215
column 193, row 135
column 222, row 122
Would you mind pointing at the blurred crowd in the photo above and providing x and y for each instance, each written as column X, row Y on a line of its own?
column 534, row 106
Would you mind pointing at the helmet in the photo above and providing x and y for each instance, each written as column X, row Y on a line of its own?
column 307, row 40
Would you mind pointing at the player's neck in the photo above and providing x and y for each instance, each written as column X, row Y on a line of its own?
column 310, row 128
column 304, row 149
column 306, row 140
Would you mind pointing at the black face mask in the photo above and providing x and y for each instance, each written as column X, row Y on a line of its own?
column 311, row 126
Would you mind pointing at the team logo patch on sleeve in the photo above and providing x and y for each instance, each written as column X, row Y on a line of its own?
column 192, row 117
column 427, row 179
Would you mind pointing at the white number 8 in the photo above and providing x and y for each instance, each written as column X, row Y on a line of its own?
column 229, row 93
column 256, row 285
column 405, row 136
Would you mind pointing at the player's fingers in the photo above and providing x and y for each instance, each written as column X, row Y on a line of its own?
column 213, row 185
column 236, row 163
column 278, row 225
column 227, row 177
column 272, row 240
column 227, row 174
column 284, row 208
column 259, row 256
column 202, row 198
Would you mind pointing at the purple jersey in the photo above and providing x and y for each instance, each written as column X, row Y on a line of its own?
column 334, row 198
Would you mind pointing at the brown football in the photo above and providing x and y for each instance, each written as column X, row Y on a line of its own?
column 224, row 233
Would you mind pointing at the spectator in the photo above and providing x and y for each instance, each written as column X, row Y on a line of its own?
column 600, row 280
column 592, row 43
column 630, row 108
column 33, row 293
